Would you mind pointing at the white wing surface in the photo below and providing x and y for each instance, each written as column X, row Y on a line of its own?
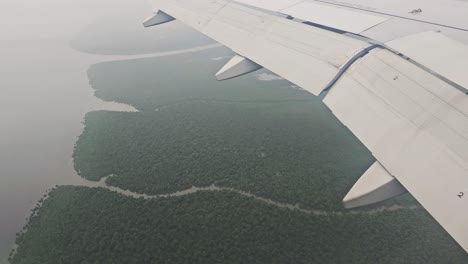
column 396, row 76
column 416, row 126
column 285, row 47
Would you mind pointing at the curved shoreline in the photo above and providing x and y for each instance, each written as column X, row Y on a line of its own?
column 73, row 65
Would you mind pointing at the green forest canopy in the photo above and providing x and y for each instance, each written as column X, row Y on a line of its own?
column 91, row 225
column 262, row 137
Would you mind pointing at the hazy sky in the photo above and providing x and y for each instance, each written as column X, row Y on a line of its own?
column 31, row 19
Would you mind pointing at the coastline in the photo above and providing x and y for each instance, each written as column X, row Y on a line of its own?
column 60, row 117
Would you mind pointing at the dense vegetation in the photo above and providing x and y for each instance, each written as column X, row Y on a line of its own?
column 261, row 137
column 83, row 225
column 281, row 151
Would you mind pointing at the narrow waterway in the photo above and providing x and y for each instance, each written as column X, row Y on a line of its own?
column 213, row 188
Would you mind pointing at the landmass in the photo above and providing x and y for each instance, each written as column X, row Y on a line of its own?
column 270, row 162
column 93, row 225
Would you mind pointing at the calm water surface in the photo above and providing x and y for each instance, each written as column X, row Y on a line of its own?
column 45, row 91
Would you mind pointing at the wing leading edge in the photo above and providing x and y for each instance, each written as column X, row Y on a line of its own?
column 412, row 118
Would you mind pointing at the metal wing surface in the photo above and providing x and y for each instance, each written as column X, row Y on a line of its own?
column 395, row 75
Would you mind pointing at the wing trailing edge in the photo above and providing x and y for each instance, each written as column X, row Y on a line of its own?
column 416, row 126
column 310, row 57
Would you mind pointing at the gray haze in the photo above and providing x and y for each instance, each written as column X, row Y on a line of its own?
column 45, row 91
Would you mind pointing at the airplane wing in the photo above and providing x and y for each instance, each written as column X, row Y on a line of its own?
column 395, row 75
